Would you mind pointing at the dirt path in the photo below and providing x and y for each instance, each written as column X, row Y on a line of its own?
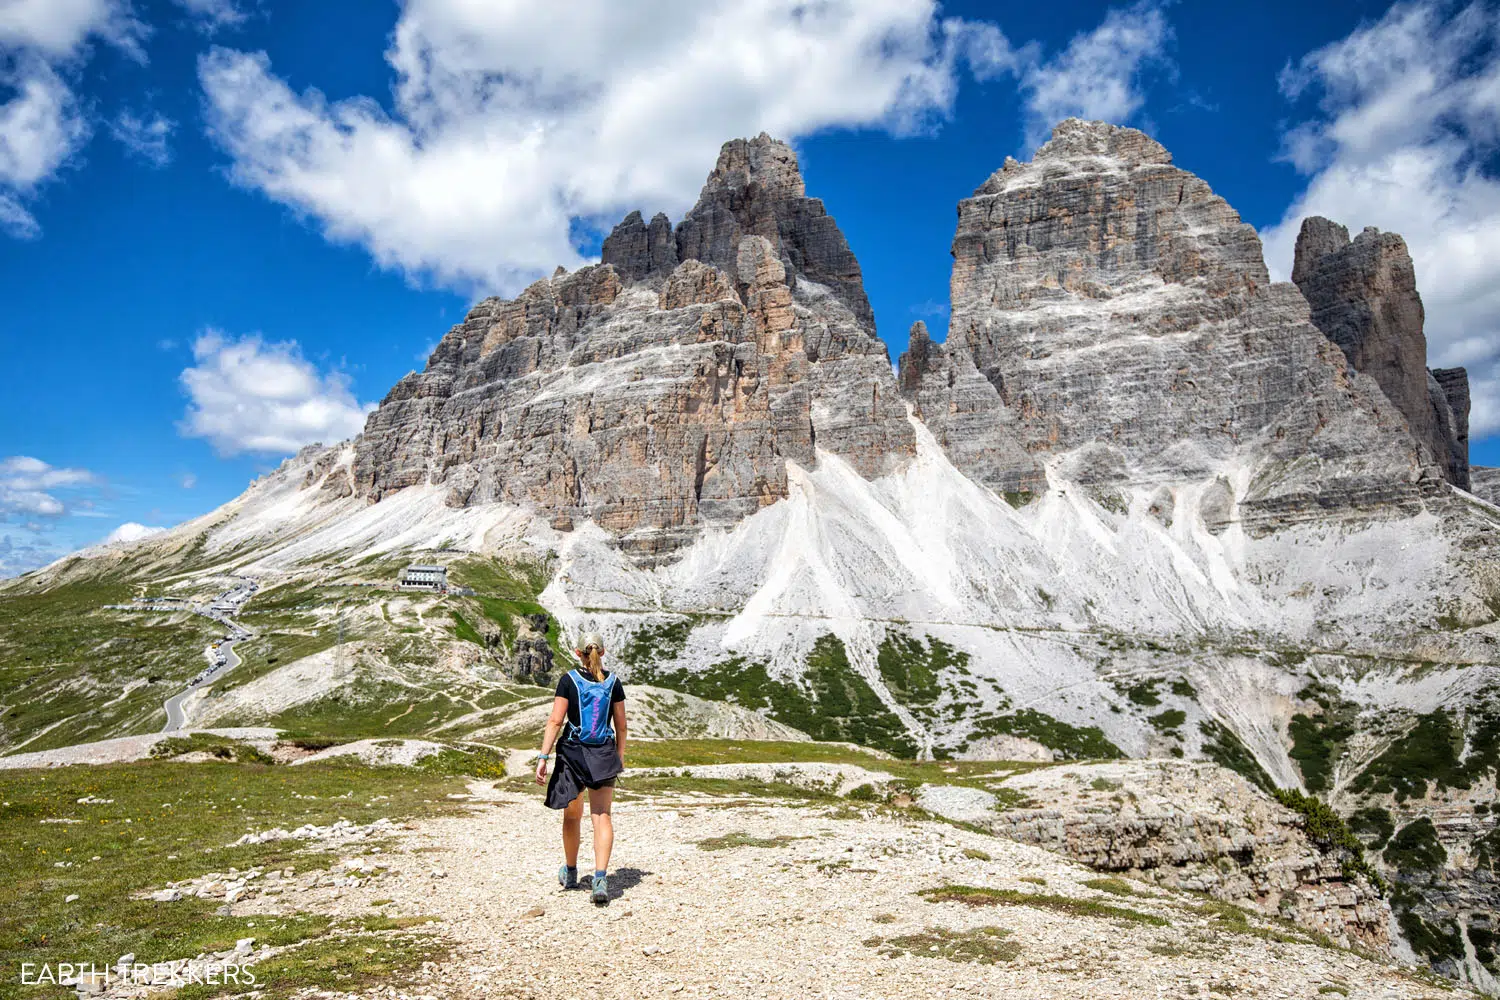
column 807, row 915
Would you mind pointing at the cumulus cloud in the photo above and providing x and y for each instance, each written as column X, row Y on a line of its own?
column 512, row 123
column 144, row 135
column 1100, row 73
column 514, row 126
column 1403, row 134
column 24, row 552
column 42, row 125
column 34, row 496
column 130, row 531
column 212, row 15
column 247, row 395
column 28, row 487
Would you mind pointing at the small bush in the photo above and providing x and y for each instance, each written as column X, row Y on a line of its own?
column 1416, row 848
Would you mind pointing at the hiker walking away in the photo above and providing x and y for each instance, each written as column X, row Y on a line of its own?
column 589, row 709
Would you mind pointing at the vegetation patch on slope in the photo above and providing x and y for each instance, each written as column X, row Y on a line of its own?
column 1434, row 752
column 1318, row 740
column 1072, row 742
column 981, row 945
column 153, row 822
column 836, row 703
column 1415, row 848
column 74, row 671
column 913, row 672
column 1224, row 748
column 971, row 895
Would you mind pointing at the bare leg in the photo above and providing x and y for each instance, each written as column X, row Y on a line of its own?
column 600, row 801
column 572, row 818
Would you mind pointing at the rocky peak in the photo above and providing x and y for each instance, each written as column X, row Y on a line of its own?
column 564, row 400
column 639, row 252
column 1363, row 296
column 756, row 189
column 764, row 162
column 1121, row 319
column 1075, row 140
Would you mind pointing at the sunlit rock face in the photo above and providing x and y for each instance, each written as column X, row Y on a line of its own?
column 1123, row 319
column 667, row 387
column 1363, row 294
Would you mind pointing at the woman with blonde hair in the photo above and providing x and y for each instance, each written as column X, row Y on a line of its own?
column 591, row 703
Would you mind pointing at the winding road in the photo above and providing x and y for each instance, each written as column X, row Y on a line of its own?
column 176, row 718
column 222, row 610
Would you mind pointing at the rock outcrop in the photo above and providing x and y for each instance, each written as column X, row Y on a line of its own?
column 1484, row 482
column 1113, row 319
column 531, row 656
column 1363, row 295
column 665, row 388
column 1199, row 827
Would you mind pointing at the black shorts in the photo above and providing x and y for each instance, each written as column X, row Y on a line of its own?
column 581, row 766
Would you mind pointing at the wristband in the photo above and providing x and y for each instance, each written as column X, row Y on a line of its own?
column 544, row 756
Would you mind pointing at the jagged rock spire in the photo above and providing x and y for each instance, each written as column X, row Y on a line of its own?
column 756, row 189
column 1363, row 295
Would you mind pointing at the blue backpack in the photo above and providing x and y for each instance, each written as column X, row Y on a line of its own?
column 594, row 703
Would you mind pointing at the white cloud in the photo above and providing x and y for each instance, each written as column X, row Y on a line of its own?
column 187, row 480
column 511, row 121
column 1099, row 74
column 130, row 531
column 29, row 486
column 247, row 395
column 1408, row 116
column 211, row 15
column 25, row 551
column 42, row 125
column 57, row 29
column 40, row 128
column 144, row 135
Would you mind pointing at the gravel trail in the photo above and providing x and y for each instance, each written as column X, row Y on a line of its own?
column 807, row 910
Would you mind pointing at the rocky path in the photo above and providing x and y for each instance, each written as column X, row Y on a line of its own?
column 807, row 901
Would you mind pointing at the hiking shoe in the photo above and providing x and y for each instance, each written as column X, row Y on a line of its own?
column 567, row 879
column 601, row 890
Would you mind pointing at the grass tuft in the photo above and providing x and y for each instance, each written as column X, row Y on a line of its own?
column 971, row 895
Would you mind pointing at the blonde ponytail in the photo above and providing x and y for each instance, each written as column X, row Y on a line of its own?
column 593, row 660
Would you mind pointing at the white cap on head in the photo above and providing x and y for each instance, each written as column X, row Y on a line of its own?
column 590, row 639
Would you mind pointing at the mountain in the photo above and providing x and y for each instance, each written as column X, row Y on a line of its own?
column 1141, row 501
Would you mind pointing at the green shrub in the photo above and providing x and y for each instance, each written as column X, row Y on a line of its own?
column 1373, row 825
column 1169, row 720
column 1416, row 848
column 1224, row 748
column 1329, row 832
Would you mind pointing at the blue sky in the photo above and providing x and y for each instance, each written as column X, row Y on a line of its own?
column 227, row 227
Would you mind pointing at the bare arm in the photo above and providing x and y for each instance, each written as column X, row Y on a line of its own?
column 618, row 714
column 549, row 735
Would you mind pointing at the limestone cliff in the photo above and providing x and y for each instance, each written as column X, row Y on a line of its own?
column 1363, row 295
column 1114, row 318
column 665, row 388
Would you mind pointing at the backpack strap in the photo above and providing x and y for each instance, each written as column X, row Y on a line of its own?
column 568, row 728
